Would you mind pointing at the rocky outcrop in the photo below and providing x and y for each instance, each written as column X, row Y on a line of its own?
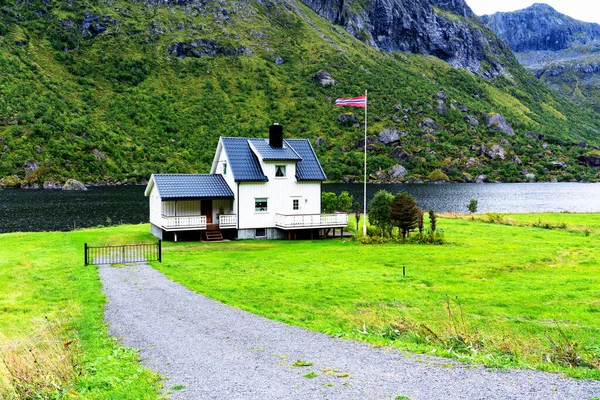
column 397, row 172
column 497, row 123
column 347, row 119
column 389, row 135
column 204, row 48
column 324, row 78
column 73, row 184
column 591, row 159
column 420, row 27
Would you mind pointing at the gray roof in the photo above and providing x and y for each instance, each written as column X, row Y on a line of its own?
column 309, row 169
column 243, row 163
column 269, row 153
column 245, row 166
column 192, row 186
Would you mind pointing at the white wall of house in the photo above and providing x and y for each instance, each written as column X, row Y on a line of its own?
column 155, row 207
column 280, row 194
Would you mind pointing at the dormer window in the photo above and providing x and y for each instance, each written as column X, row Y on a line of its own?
column 280, row 171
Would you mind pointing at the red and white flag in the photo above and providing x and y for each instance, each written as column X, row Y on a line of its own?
column 360, row 101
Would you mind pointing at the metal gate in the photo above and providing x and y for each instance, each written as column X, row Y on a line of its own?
column 127, row 253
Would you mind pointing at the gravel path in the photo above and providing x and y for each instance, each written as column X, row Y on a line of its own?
column 219, row 352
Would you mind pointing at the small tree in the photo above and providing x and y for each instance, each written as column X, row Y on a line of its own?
column 404, row 213
column 329, row 203
column 344, row 202
column 379, row 211
column 472, row 206
column 420, row 222
column 356, row 211
column 432, row 220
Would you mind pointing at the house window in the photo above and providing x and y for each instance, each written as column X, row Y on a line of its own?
column 260, row 204
column 280, row 171
column 260, row 233
column 224, row 168
column 296, row 204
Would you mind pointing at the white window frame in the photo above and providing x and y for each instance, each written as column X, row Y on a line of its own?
column 266, row 201
column 284, row 170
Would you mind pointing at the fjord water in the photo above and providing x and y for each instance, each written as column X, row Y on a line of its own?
column 55, row 210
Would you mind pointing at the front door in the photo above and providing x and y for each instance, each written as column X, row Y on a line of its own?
column 206, row 209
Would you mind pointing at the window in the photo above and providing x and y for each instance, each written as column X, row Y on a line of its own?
column 260, row 233
column 296, row 204
column 260, row 204
column 224, row 168
column 280, row 171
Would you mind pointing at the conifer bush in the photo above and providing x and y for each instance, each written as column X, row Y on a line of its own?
column 404, row 213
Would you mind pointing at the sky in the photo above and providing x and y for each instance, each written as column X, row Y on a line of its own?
column 583, row 10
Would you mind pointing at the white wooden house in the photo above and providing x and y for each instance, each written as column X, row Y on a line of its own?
column 257, row 188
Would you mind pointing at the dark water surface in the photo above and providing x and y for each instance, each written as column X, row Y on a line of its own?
column 58, row 210
column 54, row 210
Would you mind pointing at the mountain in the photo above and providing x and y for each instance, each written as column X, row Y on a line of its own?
column 112, row 91
column 563, row 52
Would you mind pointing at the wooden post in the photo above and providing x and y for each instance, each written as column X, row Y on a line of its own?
column 159, row 250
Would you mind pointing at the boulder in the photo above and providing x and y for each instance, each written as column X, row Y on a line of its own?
column 473, row 163
column 347, row 118
column 324, row 78
column 397, row 172
column 320, row 142
column 471, row 120
column 389, row 135
column 428, row 123
column 559, row 164
column 582, row 144
column 536, row 136
column 463, row 108
column 51, row 185
column 497, row 123
column 481, row 179
column 73, row 184
column 441, row 95
column 496, row 152
column 278, row 60
column 30, row 166
column 591, row 159
column 400, row 154
column 516, row 160
column 381, row 175
column 100, row 156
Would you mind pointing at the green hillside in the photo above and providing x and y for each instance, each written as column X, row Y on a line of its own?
column 112, row 91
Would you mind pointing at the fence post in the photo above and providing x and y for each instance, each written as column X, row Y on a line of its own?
column 85, row 252
column 159, row 250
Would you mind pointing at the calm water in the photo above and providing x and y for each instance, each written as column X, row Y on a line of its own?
column 50, row 210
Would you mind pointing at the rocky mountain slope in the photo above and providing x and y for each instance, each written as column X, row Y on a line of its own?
column 112, row 91
column 563, row 52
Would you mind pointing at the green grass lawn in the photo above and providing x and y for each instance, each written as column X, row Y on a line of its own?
column 44, row 284
column 493, row 294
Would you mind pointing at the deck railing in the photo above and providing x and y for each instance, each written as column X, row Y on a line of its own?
column 196, row 221
column 311, row 220
column 227, row 221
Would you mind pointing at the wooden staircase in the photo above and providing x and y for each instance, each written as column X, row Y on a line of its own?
column 213, row 235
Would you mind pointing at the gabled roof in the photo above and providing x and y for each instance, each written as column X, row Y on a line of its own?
column 190, row 186
column 243, row 163
column 309, row 169
column 270, row 153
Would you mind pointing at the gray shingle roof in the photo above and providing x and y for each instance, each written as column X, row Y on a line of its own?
column 243, row 163
column 309, row 169
column 268, row 153
column 192, row 186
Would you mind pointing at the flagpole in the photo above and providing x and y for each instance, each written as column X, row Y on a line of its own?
column 365, row 172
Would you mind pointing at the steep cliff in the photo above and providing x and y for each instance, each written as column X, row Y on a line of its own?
column 446, row 29
column 560, row 50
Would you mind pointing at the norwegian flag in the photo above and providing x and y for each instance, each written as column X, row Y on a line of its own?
column 360, row 101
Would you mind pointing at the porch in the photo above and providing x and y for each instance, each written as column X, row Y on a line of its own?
column 197, row 222
column 305, row 221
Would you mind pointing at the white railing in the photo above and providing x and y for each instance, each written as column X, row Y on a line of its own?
column 196, row 221
column 311, row 220
column 227, row 221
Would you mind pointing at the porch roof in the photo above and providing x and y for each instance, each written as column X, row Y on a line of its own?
column 191, row 186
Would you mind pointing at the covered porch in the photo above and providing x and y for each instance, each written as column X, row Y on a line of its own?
column 197, row 214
